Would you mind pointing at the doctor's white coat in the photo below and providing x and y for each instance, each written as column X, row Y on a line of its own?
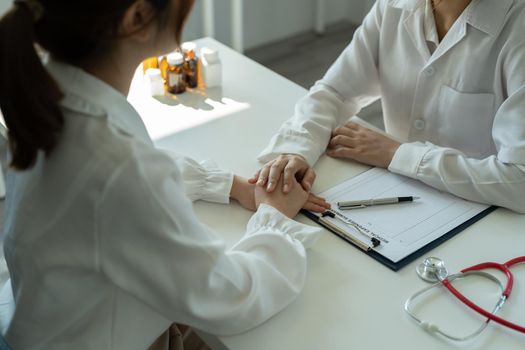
column 461, row 107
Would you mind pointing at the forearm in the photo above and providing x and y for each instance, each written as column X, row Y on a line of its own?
column 351, row 83
column 486, row 180
column 308, row 132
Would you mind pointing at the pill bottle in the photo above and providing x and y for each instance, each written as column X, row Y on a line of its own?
column 154, row 82
column 175, row 74
column 211, row 67
column 190, row 63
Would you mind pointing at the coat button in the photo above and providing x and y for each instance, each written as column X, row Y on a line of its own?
column 419, row 124
column 430, row 71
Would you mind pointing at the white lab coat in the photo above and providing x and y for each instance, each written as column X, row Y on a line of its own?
column 461, row 108
column 104, row 248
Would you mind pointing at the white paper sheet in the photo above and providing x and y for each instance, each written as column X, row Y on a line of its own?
column 402, row 228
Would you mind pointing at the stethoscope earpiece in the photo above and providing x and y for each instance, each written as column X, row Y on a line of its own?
column 429, row 327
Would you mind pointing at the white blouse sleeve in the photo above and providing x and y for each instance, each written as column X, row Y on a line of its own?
column 497, row 180
column 350, row 84
column 152, row 246
column 203, row 180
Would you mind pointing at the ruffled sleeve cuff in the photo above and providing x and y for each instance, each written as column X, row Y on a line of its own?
column 205, row 181
column 267, row 219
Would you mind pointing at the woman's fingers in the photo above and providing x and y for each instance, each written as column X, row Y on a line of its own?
column 308, row 179
column 253, row 180
column 263, row 174
column 318, row 200
column 316, row 204
column 314, row 207
column 293, row 170
column 275, row 171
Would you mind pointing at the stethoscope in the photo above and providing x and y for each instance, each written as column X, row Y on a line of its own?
column 433, row 270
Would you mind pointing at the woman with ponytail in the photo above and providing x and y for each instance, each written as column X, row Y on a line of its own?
column 103, row 248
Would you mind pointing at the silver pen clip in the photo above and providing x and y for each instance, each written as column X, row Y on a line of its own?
column 345, row 207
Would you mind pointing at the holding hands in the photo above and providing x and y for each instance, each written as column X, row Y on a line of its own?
column 285, row 182
column 288, row 173
column 251, row 196
column 290, row 167
column 366, row 146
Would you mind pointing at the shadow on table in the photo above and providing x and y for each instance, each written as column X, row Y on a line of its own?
column 193, row 98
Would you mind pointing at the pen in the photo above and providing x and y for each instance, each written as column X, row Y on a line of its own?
column 363, row 203
column 375, row 242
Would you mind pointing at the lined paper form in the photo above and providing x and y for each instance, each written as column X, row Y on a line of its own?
column 402, row 228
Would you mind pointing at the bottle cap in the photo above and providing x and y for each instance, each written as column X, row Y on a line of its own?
column 174, row 59
column 153, row 73
column 188, row 46
column 209, row 55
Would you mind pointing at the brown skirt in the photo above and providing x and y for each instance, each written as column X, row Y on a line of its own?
column 169, row 340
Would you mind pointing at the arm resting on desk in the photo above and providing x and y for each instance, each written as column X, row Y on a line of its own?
column 487, row 180
column 162, row 255
column 498, row 179
column 350, row 84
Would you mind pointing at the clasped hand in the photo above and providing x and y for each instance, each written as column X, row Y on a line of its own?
column 286, row 172
column 289, row 171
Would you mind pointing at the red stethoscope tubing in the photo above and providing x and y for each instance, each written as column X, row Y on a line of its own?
column 503, row 268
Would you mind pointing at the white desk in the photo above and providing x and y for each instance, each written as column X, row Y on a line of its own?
column 350, row 301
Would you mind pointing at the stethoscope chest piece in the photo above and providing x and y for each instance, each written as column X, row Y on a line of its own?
column 432, row 270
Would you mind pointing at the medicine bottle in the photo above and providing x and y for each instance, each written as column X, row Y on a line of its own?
column 190, row 63
column 154, row 82
column 175, row 75
column 211, row 67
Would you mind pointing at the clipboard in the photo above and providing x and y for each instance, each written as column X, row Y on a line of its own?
column 396, row 266
column 396, row 234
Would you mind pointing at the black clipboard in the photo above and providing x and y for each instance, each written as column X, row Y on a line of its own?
column 395, row 266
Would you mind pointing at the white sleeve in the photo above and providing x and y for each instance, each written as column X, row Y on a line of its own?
column 350, row 84
column 203, row 180
column 497, row 180
column 156, row 250
column 488, row 181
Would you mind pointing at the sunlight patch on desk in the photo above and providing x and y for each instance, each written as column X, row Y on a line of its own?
column 170, row 114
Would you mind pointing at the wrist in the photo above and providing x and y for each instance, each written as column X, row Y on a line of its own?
column 237, row 186
column 393, row 150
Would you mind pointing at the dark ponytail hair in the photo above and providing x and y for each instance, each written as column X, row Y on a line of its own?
column 73, row 32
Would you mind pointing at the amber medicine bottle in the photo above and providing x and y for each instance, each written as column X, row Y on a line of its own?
column 190, row 63
column 175, row 74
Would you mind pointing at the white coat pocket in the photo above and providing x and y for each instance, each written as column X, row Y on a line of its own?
column 466, row 121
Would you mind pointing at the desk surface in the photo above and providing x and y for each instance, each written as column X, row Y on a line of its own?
column 350, row 301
